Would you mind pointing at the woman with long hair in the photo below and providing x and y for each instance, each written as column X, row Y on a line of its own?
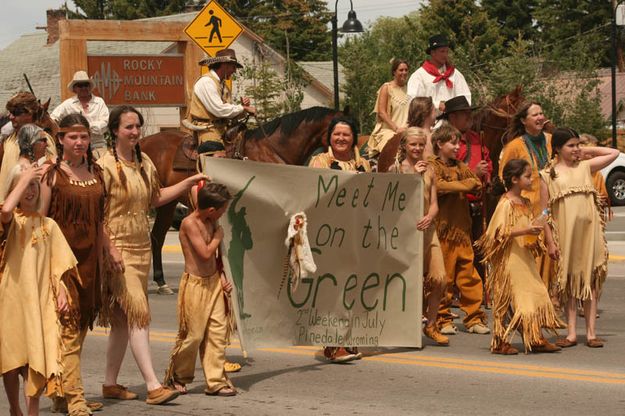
column 73, row 195
column 391, row 108
column 422, row 113
column 132, row 188
column 532, row 143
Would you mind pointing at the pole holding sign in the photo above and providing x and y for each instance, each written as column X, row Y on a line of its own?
column 213, row 29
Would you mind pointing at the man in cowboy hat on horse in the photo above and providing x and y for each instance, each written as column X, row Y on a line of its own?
column 23, row 108
column 437, row 77
column 92, row 107
column 211, row 108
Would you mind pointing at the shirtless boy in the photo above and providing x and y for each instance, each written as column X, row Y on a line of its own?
column 201, row 307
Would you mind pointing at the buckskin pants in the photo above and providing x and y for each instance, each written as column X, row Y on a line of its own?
column 459, row 268
column 202, row 328
column 73, row 339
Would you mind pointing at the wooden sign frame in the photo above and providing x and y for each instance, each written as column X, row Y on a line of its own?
column 74, row 34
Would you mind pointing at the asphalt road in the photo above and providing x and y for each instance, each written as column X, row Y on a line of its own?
column 463, row 378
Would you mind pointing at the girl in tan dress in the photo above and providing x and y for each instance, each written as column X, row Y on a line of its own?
column 410, row 159
column 132, row 187
column 575, row 238
column 391, row 107
column 72, row 194
column 510, row 245
column 32, row 292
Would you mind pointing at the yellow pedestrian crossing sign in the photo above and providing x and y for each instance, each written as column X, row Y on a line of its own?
column 213, row 29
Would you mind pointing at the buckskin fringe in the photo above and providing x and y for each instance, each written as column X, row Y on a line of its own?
column 136, row 308
column 451, row 234
column 54, row 385
column 530, row 325
column 572, row 285
column 583, row 189
column 75, row 209
column 442, row 171
column 183, row 330
column 495, row 248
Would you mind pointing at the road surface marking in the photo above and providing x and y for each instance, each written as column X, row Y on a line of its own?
column 479, row 366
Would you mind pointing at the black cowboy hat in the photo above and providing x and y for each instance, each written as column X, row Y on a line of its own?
column 459, row 103
column 437, row 41
column 222, row 56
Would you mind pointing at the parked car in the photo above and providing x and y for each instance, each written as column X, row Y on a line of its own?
column 614, row 175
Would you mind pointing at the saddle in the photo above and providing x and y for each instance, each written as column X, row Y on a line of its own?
column 186, row 154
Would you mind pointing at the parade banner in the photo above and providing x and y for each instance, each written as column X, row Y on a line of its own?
column 362, row 237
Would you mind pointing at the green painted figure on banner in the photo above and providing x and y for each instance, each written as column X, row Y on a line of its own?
column 241, row 242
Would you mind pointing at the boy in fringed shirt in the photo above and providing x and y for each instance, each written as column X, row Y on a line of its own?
column 454, row 180
column 203, row 324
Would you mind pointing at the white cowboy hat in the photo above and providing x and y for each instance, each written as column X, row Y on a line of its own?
column 79, row 77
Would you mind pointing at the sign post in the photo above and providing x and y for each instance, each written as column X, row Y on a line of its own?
column 213, row 29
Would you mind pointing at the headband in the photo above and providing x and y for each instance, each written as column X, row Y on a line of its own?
column 79, row 128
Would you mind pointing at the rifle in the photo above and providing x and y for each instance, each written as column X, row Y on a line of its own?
column 487, row 299
column 29, row 86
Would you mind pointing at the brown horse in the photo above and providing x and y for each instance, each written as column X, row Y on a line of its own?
column 491, row 121
column 494, row 120
column 289, row 139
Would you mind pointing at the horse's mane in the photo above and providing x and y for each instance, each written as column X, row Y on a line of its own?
column 513, row 97
column 288, row 122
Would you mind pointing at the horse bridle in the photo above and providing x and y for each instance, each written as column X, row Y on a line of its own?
column 501, row 114
column 239, row 141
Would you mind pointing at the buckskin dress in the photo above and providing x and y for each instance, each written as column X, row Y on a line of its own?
column 126, row 221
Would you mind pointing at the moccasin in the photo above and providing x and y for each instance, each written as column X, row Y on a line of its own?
column 431, row 331
column 565, row 343
column 161, row 395
column 118, row 392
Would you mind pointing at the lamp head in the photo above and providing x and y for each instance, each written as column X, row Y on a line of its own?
column 352, row 24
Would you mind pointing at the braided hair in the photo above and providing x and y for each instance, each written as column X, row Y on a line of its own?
column 74, row 119
column 115, row 117
column 27, row 136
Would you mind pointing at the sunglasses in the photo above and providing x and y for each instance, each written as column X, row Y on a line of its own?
column 19, row 111
column 82, row 84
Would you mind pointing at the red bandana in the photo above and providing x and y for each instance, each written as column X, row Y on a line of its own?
column 431, row 69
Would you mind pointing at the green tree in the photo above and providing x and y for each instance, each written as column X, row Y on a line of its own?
column 566, row 25
column 366, row 62
column 300, row 24
column 127, row 9
column 514, row 17
column 273, row 93
column 518, row 67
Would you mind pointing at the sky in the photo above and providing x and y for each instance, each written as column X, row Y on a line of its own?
column 22, row 16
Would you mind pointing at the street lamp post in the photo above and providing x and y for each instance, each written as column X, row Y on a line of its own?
column 351, row 25
column 618, row 19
